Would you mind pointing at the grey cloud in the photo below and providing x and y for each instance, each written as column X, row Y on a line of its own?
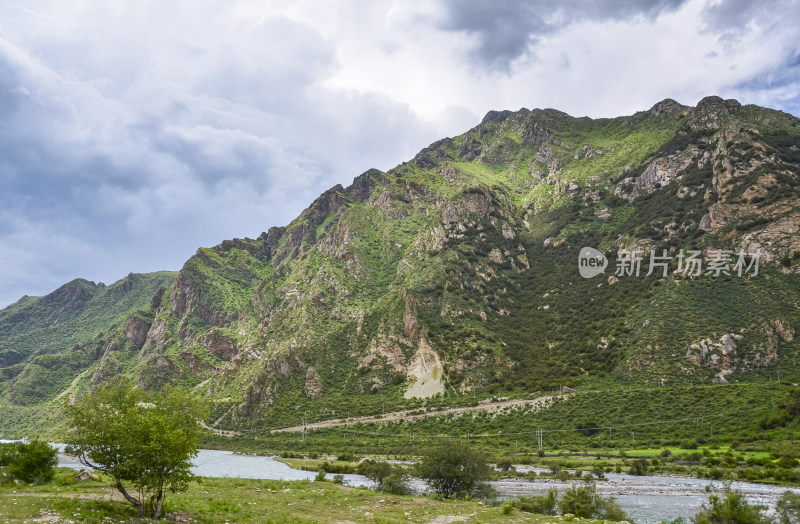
column 505, row 29
column 732, row 20
column 730, row 17
column 108, row 168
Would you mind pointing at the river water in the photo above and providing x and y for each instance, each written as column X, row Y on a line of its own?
column 646, row 499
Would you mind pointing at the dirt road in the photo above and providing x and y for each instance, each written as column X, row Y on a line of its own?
column 410, row 415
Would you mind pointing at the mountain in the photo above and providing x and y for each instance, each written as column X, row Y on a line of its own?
column 457, row 273
column 45, row 342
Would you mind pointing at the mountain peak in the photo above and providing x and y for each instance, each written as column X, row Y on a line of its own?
column 667, row 106
column 496, row 117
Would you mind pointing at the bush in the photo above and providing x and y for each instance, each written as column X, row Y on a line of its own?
column 453, row 468
column 7, row 451
column 584, row 502
column 505, row 465
column 612, row 511
column 320, row 475
column 731, row 508
column 639, row 467
column 387, row 477
column 581, row 501
column 542, row 505
column 32, row 463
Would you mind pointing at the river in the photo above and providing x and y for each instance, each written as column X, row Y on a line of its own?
column 647, row 499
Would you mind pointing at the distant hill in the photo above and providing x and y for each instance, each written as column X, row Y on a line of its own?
column 46, row 341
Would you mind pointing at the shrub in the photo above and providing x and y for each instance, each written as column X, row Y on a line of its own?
column 32, row 463
column 581, row 501
column 542, row 505
column 612, row 511
column 505, row 465
column 7, row 451
column 387, row 477
column 453, row 468
column 639, row 467
column 730, row 508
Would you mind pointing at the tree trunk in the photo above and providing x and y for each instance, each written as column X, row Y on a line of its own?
column 136, row 502
column 158, row 506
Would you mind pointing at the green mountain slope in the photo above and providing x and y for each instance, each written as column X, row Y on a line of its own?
column 456, row 273
column 46, row 341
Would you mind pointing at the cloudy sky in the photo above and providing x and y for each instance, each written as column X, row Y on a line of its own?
column 132, row 133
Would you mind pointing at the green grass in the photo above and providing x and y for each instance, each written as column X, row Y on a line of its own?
column 242, row 500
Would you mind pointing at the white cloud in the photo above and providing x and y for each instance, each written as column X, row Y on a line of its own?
column 134, row 132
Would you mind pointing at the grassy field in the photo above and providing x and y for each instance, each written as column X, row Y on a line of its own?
column 240, row 500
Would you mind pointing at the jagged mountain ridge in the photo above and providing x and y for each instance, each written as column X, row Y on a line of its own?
column 457, row 271
column 46, row 341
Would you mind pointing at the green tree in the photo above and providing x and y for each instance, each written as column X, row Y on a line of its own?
column 32, row 463
column 730, row 508
column 453, row 468
column 143, row 440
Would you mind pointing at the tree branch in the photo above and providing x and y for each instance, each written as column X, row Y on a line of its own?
column 130, row 499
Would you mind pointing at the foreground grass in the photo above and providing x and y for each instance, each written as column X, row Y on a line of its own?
column 243, row 500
